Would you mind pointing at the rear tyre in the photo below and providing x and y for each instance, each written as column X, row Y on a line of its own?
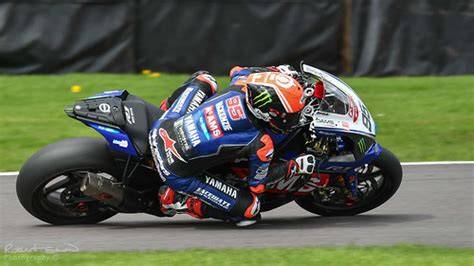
column 390, row 172
column 48, row 184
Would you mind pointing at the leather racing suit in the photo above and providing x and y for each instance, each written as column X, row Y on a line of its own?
column 202, row 129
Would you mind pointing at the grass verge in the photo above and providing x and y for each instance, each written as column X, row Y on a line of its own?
column 367, row 256
column 419, row 118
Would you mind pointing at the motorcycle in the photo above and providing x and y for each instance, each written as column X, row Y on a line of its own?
column 87, row 180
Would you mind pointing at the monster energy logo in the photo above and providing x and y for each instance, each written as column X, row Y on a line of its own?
column 262, row 99
column 361, row 145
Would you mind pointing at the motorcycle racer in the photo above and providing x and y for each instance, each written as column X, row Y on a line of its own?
column 201, row 129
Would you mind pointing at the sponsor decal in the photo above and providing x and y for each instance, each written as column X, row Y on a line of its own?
column 129, row 116
column 223, row 116
column 319, row 132
column 293, row 170
column 345, row 125
column 311, row 185
column 156, row 155
column 191, row 130
column 104, row 108
column 161, row 165
column 208, row 196
column 108, row 129
column 325, row 122
column 338, row 168
column 262, row 99
column 353, row 110
column 281, row 80
column 287, row 184
column 170, row 149
column 196, row 101
column 180, row 135
column 182, row 99
column 225, row 188
column 235, row 109
column 122, row 143
column 212, row 124
column 361, row 145
column 261, row 172
column 203, row 127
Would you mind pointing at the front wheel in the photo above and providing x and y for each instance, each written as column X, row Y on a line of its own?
column 48, row 185
column 378, row 182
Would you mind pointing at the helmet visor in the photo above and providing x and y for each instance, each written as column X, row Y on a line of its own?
column 287, row 123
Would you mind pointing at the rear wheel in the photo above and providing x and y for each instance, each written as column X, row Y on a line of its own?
column 378, row 182
column 48, row 184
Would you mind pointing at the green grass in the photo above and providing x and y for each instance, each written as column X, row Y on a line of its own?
column 419, row 118
column 367, row 256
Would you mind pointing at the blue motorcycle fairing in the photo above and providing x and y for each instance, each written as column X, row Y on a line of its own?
column 114, row 93
column 117, row 139
column 370, row 155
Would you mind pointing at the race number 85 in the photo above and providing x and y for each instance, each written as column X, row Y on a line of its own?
column 235, row 109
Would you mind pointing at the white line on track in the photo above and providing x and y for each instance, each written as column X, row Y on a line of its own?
column 404, row 164
column 8, row 173
column 438, row 163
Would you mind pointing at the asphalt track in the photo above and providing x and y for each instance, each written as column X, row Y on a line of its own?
column 434, row 205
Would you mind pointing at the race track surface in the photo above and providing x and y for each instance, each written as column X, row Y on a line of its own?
column 434, row 205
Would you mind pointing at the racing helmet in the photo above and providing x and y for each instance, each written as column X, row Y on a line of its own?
column 275, row 98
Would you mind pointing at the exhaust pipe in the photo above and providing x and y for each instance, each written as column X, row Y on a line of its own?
column 103, row 189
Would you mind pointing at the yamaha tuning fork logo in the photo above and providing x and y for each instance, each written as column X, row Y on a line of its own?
column 104, row 108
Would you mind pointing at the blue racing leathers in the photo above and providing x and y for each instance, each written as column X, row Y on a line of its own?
column 196, row 134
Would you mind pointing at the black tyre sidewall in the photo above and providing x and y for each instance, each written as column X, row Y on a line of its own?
column 54, row 160
column 391, row 169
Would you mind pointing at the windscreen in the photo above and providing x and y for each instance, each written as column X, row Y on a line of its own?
column 335, row 101
column 341, row 103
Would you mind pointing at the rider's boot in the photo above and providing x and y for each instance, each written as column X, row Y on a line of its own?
column 249, row 221
column 173, row 203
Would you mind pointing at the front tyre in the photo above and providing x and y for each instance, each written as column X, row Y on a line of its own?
column 384, row 178
column 48, row 184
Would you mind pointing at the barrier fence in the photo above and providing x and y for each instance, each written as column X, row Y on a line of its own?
column 354, row 37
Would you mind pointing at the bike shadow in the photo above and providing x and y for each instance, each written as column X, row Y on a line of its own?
column 275, row 223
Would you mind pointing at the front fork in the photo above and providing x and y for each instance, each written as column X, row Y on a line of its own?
column 345, row 174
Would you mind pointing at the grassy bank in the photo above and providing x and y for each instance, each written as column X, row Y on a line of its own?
column 419, row 118
column 367, row 256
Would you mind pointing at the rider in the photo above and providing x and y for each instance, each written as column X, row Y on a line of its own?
column 194, row 135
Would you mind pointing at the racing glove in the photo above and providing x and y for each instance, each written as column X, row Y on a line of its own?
column 306, row 164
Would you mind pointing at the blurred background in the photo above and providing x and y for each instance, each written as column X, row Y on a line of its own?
column 362, row 37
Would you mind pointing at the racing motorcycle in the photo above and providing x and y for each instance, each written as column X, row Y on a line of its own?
column 87, row 180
